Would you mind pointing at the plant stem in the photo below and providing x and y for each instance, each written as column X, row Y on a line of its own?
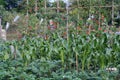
column 76, row 62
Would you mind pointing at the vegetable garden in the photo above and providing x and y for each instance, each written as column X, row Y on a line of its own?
column 69, row 50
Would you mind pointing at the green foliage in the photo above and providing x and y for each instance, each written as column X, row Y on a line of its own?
column 55, row 58
column 80, row 57
column 2, row 2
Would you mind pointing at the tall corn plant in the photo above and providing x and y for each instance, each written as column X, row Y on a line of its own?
column 82, row 52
